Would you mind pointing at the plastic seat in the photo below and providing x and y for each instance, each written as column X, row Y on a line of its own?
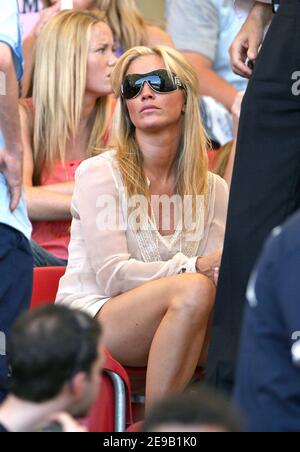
column 45, row 285
column 137, row 377
column 112, row 411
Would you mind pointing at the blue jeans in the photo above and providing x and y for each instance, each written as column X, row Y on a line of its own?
column 41, row 257
column 15, row 289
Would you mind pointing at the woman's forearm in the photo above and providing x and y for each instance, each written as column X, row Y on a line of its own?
column 45, row 205
column 64, row 188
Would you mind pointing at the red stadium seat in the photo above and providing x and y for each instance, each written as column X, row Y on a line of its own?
column 137, row 377
column 45, row 285
column 112, row 411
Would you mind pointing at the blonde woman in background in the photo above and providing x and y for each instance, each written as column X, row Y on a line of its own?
column 128, row 25
column 151, row 282
column 65, row 122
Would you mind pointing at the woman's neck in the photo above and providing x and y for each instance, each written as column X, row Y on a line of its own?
column 88, row 108
column 159, row 151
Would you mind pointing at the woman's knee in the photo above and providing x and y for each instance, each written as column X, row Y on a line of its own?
column 196, row 295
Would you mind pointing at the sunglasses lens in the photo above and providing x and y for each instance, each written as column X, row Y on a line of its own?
column 156, row 82
column 166, row 85
column 160, row 81
column 130, row 87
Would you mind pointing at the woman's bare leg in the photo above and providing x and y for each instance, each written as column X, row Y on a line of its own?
column 161, row 324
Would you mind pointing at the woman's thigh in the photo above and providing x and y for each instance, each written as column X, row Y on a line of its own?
column 131, row 319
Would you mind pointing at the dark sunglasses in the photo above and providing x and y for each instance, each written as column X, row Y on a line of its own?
column 160, row 81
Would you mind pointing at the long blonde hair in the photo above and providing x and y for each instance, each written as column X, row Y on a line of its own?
column 127, row 23
column 59, row 88
column 192, row 160
column 222, row 158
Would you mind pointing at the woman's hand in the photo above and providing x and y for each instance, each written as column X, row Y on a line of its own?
column 210, row 265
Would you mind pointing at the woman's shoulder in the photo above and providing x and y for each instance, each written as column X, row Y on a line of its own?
column 106, row 160
column 217, row 183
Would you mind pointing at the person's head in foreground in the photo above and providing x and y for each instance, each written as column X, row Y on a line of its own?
column 200, row 410
column 55, row 360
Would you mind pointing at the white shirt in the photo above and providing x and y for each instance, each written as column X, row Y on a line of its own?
column 107, row 261
column 29, row 15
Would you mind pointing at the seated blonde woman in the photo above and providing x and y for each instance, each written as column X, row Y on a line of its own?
column 128, row 25
column 66, row 122
column 148, row 276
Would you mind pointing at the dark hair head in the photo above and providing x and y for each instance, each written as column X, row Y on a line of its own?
column 47, row 348
column 200, row 407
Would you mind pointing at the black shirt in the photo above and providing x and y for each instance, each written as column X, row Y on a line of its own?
column 268, row 382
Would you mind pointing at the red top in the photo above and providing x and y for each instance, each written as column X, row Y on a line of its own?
column 54, row 236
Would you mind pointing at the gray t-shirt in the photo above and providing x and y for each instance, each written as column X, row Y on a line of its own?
column 207, row 27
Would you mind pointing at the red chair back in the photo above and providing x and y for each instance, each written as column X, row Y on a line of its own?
column 102, row 415
column 45, row 285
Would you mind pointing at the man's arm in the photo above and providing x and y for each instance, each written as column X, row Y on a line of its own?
column 247, row 43
column 194, row 27
column 245, row 6
column 210, row 83
column 11, row 155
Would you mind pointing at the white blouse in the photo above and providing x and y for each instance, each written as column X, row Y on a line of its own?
column 105, row 262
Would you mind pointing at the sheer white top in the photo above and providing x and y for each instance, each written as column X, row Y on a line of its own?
column 105, row 262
